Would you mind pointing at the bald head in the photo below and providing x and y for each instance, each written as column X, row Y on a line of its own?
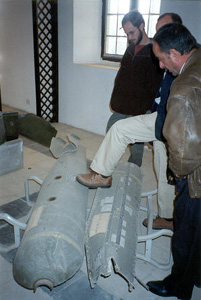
column 167, row 18
column 163, row 21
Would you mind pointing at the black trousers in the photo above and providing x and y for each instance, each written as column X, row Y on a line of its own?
column 186, row 244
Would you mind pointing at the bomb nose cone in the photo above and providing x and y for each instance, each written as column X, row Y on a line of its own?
column 43, row 282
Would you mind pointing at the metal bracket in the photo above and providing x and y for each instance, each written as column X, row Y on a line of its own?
column 150, row 236
column 18, row 225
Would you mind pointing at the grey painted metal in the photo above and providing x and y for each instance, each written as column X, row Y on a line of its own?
column 112, row 226
column 11, row 156
column 151, row 235
column 59, row 146
column 26, row 187
column 19, row 225
column 52, row 248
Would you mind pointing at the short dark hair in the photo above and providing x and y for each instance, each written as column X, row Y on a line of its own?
column 175, row 36
column 134, row 17
column 175, row 17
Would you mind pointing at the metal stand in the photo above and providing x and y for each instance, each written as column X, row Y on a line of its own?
column 150, row 235
column 18, row 225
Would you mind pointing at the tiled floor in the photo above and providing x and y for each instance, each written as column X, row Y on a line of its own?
column 38, row 161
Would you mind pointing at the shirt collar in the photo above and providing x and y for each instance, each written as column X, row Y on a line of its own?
column 182, row 68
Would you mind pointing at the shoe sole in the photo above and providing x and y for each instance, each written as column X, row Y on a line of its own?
column 158, row 228
column 94, row 186
column 152, row 290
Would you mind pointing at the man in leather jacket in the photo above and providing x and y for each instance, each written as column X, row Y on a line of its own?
column 177, row 50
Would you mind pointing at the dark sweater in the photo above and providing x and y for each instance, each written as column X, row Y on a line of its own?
column 137, row 82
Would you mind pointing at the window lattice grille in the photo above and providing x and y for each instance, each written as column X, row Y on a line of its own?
column 46, row 58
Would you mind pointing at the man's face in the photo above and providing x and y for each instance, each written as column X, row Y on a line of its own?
column 167, row 61
column 134, row 34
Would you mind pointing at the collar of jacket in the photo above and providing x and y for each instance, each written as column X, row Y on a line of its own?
column 194, row 56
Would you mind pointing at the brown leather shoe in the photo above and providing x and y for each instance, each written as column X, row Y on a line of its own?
column 94, row 180
column 160, row 223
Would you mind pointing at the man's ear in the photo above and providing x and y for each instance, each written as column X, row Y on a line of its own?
column 174, row 53
column 141, row 26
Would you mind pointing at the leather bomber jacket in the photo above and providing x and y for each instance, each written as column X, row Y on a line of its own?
column 182, row 128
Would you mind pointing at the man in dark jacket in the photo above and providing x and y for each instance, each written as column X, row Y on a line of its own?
column 137, row 80
column 177, row 51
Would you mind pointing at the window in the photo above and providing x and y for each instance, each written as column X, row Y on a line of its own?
column 150, row 9
column 114, row 40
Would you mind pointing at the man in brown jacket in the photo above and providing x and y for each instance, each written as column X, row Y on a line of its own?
column 177, row 51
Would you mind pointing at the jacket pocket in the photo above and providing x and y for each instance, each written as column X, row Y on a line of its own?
column 194, row 183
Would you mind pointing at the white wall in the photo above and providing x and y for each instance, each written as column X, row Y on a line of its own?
column 86, row 26
column 16, row 54
column 189, row 10
column 84, row 91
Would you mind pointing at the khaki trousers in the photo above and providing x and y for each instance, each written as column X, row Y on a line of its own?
column 129, row 131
